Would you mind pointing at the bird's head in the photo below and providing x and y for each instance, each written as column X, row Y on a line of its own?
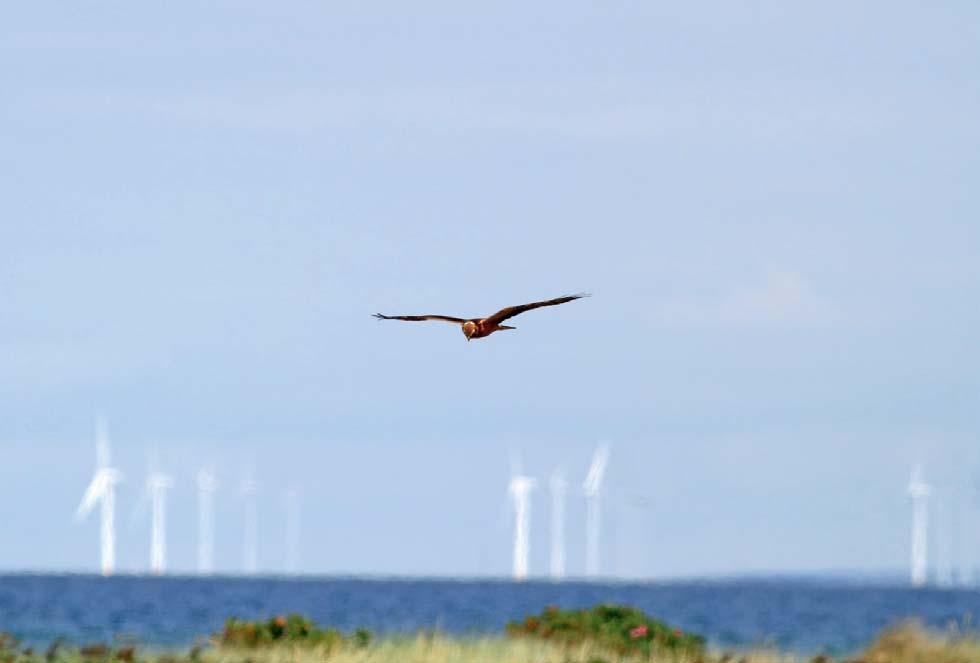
column 469, row 329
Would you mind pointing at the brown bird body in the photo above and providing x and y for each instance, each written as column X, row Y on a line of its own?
column 481, row 327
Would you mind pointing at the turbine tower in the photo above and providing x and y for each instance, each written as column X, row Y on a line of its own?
column 557, row 484
column 591, row 486
column 292, row 530
column 520, row 492
column 206, row 485
column 102, row 489
column 919, row 492
column 249, row 556
column 944, row 574
column 157, row 485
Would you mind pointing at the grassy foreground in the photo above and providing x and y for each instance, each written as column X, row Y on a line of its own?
column 908, row 643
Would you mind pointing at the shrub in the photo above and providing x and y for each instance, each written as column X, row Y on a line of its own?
column 292, row 629
column 361, row 638
column 621, row 628
column 97, row 651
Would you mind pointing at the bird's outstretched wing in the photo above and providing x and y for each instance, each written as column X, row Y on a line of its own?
column 419, row 318
column 511, row 311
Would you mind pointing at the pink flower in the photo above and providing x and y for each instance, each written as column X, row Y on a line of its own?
column 638, row 632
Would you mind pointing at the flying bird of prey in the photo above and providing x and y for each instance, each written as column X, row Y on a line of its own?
column 480, row 327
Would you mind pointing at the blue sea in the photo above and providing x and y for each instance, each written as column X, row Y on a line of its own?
column 803, row 615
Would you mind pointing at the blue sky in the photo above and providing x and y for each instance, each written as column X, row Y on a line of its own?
column 774, row 207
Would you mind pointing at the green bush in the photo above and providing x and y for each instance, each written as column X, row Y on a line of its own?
column 292, row 629
column 362, row 638
column 619, row 628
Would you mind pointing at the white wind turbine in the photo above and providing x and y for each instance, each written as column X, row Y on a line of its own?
column 919, row 491
column 102, row 489
column 591, row 486
column 249, row 552
column 971, row 568
column 558, row 485
column 945, row 573
column 157, row 485
column 520, row 492
column 206, row 485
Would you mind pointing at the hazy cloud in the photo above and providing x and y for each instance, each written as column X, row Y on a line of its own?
column 781, row 297
column 586, row 109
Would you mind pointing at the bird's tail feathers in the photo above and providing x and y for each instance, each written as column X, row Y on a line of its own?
column 505, row 327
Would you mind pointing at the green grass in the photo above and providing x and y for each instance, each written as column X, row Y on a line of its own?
column 294, row 640
column 417, row 649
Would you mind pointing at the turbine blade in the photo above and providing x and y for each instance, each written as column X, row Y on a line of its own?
column 93, row 494
column 597, row 470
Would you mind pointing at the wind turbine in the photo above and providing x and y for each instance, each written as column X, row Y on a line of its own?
column 972, row 571
column 520, row 492
column 292, row 530
column 102, row 489
column 943, row 539
column 249, row 556
column 157, row 485
column 206, row 485
column 558, row 485
column 591, row 486
column 919, row 491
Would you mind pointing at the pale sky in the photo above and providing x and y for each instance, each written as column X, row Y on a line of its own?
column 775, row 208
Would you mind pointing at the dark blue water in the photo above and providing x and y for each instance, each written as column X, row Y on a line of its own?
column 794, row 615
